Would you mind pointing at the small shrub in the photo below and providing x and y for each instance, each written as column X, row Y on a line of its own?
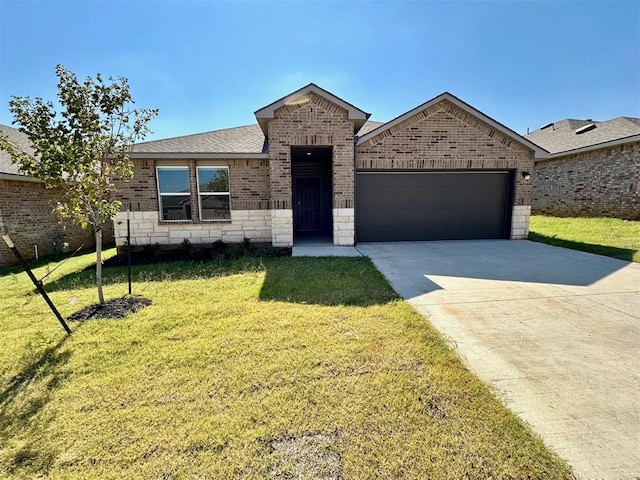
column 151, row 250
column 186, row 245
column 235, row 252
column 219, row 246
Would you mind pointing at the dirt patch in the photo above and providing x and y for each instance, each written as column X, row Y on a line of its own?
column 114, row 309
column 307, row 456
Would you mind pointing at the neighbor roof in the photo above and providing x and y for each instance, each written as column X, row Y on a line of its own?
column 8, row 170
column 354, row 113
column 539, row 152
column 571, row 134
column 242, row 141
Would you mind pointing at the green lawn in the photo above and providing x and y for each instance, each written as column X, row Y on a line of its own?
column 274, row 368
column 606, row 236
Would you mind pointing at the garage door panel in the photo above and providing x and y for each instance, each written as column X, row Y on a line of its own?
column 431, row 206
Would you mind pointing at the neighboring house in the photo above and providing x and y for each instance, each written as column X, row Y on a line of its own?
column 26, row 215
column 593, row 169
column 314, row 165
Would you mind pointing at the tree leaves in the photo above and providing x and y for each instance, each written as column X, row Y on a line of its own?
column 84, row 148
column 81, row 151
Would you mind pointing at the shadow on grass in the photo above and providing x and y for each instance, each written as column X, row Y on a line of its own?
column 21, row 405
column 326, row 281
column 53, row 259
column 313, row 280
column 157, row 272
column 615, row 252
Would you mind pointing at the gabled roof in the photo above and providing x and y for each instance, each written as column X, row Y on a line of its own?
column 354, row 113
column 9, row 170
column 571, row 134
column 539, row 152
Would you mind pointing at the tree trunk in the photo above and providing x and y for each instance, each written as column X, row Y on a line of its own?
column 99, row 265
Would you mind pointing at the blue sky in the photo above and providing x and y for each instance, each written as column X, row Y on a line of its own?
column 210, row 64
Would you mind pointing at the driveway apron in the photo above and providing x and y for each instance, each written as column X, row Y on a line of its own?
column 556, row 332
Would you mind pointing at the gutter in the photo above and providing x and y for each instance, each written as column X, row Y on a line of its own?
column 18, row 178
column 198, row 156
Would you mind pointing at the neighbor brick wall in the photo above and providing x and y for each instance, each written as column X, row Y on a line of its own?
column 311, row 121
column 26, row 216
column 444, row 137
column 248, row 183
column 599, row 183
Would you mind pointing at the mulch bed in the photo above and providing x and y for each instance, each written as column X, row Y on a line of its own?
column 150, row 256
column 112, row 309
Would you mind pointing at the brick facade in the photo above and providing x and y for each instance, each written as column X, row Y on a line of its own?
column 310, row 121
column 441, row 136
column 250, row 215
column 248, row 184
column 26, row 216
column 445, row 137
column 597, row 183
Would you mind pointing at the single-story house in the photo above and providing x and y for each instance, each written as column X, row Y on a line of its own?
column 26, row 214
column 314, row 165
column 593, row 169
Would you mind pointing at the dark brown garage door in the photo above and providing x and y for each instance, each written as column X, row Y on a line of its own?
column 432, row 206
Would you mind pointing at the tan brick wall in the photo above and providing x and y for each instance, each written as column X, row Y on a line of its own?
column 311, row 121
column 600, row 183
column 248, row 183
column 445, row 137
column 26, row 216
column 250, row 216
column 140, row 193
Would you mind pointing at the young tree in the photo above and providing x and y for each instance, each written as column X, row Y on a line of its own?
column 83, row 150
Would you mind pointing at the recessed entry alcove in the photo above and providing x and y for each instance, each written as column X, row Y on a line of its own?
column 311, row 187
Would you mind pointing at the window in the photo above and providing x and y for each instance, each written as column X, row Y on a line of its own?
column 174, row 193
column 213, row 193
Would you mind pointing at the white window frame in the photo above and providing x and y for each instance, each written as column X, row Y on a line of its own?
column 180, row 194
column 201, row 194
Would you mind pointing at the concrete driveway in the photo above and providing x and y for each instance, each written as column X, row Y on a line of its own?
column 555, row 331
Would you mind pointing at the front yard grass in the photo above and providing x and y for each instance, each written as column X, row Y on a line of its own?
column 605, row 236
column 255, row 368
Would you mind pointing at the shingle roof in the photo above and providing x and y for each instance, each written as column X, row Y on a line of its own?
column 369, row 126
column 246, row 139
column 561, row 136
column 22, row 141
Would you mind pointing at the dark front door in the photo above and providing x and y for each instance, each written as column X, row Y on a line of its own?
column 307, row 204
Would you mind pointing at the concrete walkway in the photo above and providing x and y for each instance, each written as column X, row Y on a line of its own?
column 555, row 331
column 324, row 251
column 322, row 247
